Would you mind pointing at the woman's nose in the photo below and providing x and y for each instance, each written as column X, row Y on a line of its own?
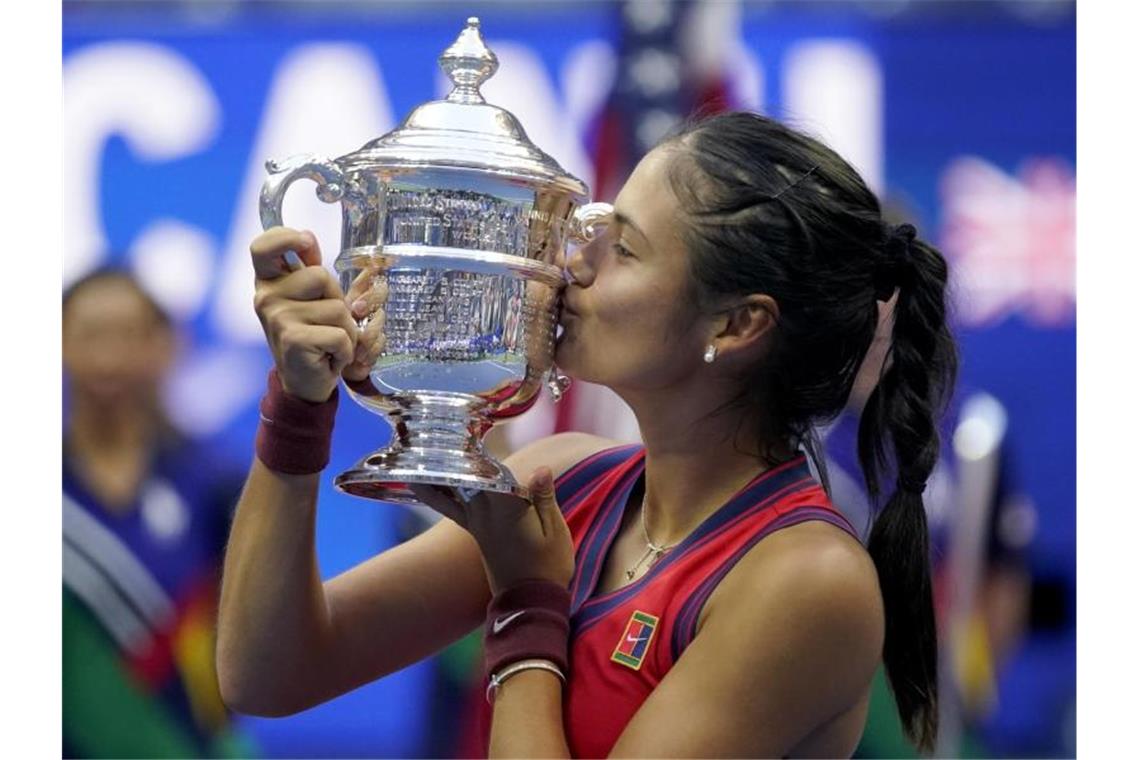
column 575, row 269
column 578, row 265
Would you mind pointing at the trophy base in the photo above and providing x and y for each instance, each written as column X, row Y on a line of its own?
column 389, row 475
column 437, row 440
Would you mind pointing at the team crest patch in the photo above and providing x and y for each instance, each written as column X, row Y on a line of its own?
column 636, row 639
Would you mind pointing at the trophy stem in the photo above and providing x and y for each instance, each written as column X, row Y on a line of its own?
column 438, row 440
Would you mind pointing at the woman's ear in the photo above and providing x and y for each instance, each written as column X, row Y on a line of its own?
column 747, row 327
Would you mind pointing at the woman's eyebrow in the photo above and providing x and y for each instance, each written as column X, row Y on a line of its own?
column 622, row 219
column 625, row 221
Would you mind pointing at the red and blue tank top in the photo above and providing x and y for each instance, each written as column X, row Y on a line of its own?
column 625, row 641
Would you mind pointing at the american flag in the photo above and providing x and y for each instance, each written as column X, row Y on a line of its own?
column 674, row 59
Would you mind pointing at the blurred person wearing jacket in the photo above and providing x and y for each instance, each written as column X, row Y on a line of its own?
column 145, row 514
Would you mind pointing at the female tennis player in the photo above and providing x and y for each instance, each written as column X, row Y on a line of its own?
column 697, row 595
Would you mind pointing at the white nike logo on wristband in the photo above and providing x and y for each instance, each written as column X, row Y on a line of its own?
column 503, row 622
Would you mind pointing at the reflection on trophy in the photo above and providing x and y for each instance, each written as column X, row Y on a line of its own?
column 452, row 224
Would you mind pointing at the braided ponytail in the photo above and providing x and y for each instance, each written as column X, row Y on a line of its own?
column 903, row 408
column 770, row 210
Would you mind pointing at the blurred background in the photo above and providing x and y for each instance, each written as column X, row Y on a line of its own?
column 961, row 115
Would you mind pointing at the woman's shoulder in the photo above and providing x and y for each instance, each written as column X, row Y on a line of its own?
column 794, row 632
column 559, row 452
column 814, row 577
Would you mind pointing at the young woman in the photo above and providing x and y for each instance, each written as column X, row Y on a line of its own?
column 694, row 596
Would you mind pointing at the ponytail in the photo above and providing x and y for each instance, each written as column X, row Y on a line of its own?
column 766, row 209
column 902, row 410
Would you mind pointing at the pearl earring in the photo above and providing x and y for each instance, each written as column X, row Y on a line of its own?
column 710, row 354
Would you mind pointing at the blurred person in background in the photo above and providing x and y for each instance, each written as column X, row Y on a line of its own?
column 996, row 622
column 145, row 514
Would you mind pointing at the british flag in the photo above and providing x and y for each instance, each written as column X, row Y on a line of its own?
column 1011, row 240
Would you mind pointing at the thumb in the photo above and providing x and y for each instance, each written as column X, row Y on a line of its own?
column 545, row 502
column 281, row 250
column 308, row 249
column 542, row 486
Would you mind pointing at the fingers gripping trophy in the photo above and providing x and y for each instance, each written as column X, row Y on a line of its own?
column 454, row 226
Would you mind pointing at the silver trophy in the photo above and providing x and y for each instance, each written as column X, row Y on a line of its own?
column 452, row 227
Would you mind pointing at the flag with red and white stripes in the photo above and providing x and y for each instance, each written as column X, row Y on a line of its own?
column 674, row 60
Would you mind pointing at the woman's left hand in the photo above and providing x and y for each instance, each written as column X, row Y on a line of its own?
column 520, row 539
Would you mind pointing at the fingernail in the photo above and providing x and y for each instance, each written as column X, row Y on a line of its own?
column 359, row 307
column 293, row 261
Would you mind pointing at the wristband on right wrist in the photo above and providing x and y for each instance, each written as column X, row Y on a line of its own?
column 294, row 436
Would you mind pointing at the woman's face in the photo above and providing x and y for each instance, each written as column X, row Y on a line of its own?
column 628, row 321
column 115, row 348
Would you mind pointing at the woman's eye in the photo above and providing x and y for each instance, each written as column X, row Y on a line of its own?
column 621, row 250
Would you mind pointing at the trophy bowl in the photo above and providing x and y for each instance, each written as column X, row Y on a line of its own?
column 454, row 227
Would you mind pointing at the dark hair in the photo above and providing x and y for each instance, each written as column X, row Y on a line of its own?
column 769, row 210
column 114, row 273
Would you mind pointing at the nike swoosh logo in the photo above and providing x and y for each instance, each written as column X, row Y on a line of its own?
column 632, row 640
column 503, row 622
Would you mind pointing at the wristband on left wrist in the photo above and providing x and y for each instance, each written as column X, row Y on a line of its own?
column 528, row 621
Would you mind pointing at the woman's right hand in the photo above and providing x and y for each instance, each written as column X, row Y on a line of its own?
column 308, row 324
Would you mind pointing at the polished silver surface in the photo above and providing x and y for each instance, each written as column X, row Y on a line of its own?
column 469, row 337
column 464, row 131
column 454, row 228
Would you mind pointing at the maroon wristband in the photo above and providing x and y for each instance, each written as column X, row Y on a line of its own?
column 528, row 620
column 295, row 435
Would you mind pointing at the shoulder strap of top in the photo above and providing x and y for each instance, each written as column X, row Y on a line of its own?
column 572, row 486
column 685, row 628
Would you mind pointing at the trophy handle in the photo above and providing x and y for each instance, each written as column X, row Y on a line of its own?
column 584, row 222
column 328, row 176
column 583, row 228
column 557, row 383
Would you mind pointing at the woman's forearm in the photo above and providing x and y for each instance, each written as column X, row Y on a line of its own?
column 273, row 621
column 527, row 718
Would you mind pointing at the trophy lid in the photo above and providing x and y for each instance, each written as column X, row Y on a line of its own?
column 464, row 131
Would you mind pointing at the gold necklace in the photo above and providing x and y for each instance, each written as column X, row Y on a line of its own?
column 653, row 552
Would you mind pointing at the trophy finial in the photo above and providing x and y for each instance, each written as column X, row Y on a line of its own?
column 469, row 63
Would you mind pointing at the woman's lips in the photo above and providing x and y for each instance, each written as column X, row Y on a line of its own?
column 565, row 312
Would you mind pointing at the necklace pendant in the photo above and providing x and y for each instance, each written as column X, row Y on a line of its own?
column 647, row 556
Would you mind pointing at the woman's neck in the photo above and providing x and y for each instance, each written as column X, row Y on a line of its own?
column 695, row 460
